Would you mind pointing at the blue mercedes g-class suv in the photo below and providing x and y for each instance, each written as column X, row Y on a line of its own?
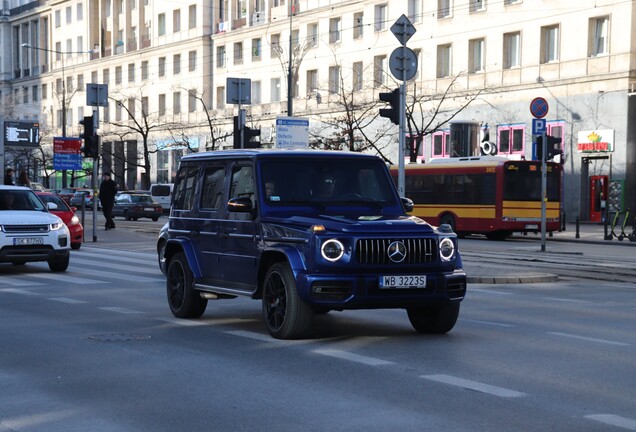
column 306, row 232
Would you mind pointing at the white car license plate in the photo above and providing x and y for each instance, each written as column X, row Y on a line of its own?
column 403, row 281
column 22, row 241
column 532, row 226
column 149, row 209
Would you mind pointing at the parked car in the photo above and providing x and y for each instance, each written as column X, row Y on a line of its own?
column 306, row 232
column 136, row 205
column 85, row 195
column 29, row 232
column 67, row 214
column 37, row 186
column 66, row 193
column 162, row 193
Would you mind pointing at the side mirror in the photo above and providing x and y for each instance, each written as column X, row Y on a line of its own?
column 240, row 205
column 51, row 206
column 407, row 203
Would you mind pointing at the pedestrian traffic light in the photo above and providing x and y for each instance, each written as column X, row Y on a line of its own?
column 393, row 99
column 249, row 135
column 553, row 147
column 91, row 143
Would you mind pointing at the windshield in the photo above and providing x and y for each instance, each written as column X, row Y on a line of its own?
column 20, row 200
column 321, row 182
column 142, row 199
column 61, row 205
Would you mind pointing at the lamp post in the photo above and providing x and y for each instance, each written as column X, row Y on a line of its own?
column 62, row 54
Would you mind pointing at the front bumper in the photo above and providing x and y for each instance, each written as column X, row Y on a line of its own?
column 31, row 253
column 363, row 291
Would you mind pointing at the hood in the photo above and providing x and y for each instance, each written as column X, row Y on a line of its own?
column 25, row 217
column 356, row 224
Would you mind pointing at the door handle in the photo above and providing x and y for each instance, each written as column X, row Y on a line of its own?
column 227, row 233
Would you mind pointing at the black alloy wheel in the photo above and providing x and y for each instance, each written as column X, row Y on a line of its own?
column 184, row 301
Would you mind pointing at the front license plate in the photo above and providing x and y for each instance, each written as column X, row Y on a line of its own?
column 149, row 209
column 409, row 281
column 22, row 241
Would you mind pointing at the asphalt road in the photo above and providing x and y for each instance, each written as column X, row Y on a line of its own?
column 97, row 349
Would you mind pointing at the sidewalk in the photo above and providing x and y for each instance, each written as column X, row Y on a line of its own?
column 588, row 232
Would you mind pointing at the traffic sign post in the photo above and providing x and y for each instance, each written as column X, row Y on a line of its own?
column 539, row 109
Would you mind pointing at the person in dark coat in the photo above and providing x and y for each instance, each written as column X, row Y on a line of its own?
column 8, row 178
column 107, row 192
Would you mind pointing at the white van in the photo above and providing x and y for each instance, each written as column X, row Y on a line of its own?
column 162, row 193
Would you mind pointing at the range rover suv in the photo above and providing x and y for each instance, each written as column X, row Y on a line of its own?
column 28, row 232
column 305, row 232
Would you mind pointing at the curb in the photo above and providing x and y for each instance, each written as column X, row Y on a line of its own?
column 538, row 278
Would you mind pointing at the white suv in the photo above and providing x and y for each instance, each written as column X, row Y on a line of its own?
column 28, row 232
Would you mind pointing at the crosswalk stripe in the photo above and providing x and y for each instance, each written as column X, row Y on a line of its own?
column 152, row 269
column 59, row 277
column 115, row 253
column 107, row 275
column 17, row 281
column 19, row 291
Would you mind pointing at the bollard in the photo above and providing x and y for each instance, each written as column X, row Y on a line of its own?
column 563, row 222
column 577, row 228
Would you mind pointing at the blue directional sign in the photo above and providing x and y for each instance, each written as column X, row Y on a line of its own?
column 538, row 126
column 539, row 107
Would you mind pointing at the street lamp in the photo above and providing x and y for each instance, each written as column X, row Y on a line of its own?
column 62, row 54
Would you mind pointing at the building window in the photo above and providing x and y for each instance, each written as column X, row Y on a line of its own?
column 79, row 11
column 380, row 17
column 162, row 105
column 176, row 102
column 161, row 24
column 69, row 14
column 599, row 40
column 477, row 5
column 443, row 8
column 357, row 76
column 162, row 66
column 312, row 82
column 58, row 18
column 510, row 139
column 444, row 53
column 512, row 50
column 220, row 56
column 274, row 90
column 176, row 64
column 192, row 16
column 80, row 43
column 312, row 35
column 256, row 49
column 334, row 79
column 192, row 101
column 131, row 72
column 192, row 61
column 238, row 53
column 414, row 10
column 334, row 30
column 379, row 71
column 131, row 108
column 45, row 91
column 34, row 92
column 476, row 55
column 80, row 83
column 176, row 20
column 25, row 95
column 144, row 70
column 144, row 106
column 358, row 25
column 275, row 44
column 440, row 144
column 295, row 39
column 549, row 44
column 105, row 76
column 220, row 97
column 256, row 92
column 118, row 75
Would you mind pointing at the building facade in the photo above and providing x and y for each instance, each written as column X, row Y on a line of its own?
column 167, row 67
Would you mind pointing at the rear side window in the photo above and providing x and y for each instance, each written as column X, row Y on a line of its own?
column 212, row 192
column 161, row 190
column 184, row 191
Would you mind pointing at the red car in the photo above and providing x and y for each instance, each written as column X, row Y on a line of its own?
column 67, row 214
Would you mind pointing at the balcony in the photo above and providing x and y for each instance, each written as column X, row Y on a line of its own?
column 145, row 41
column 223, row 26
column 239, row 23
column 131, row 44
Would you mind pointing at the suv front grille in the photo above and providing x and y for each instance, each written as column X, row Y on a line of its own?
column 26, row 228
column 375, row 251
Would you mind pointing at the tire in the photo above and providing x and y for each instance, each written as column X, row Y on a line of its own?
column 183, row 300
column 155, row 219
column 161, row 250
column 76, row 246
column 59, row 264
column 126, row 215
column 498, row 235
column 285, row 314
column 448, row 219
column 434, row 319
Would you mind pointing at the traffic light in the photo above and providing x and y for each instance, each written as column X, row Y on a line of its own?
column 248, row 135
column 91, row 143
column 553, row 147
column 393, row 99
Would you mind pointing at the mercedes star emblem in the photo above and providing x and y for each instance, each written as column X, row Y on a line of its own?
column 396, row 251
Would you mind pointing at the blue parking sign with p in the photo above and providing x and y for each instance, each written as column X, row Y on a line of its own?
column 538, row 126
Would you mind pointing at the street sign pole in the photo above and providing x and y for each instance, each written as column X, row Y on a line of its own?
column 544, row 188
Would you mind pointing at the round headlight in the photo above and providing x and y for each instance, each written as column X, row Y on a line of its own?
column 446, row 249
column 74, row 220
column 332, row 250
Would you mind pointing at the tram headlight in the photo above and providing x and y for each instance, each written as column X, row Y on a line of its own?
column 446, row 249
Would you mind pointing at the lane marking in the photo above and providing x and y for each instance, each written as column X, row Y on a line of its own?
column 487, row 291
column 565, row 300
column 474, row 385
column 23, row 281
column 589, row 339
column 182, row 322
column 344, row 355
column 67, row 300
column 614, row 420
column 488, row 323
column 19, row 291
column 120, row 310
column 57, row 277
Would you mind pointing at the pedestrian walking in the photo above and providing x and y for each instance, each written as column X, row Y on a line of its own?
column 8, row 178
column 107, row 192
column 23, row 179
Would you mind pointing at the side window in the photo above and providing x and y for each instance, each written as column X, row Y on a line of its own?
column 212, row 192
column 184, row 191
column 242, row 183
